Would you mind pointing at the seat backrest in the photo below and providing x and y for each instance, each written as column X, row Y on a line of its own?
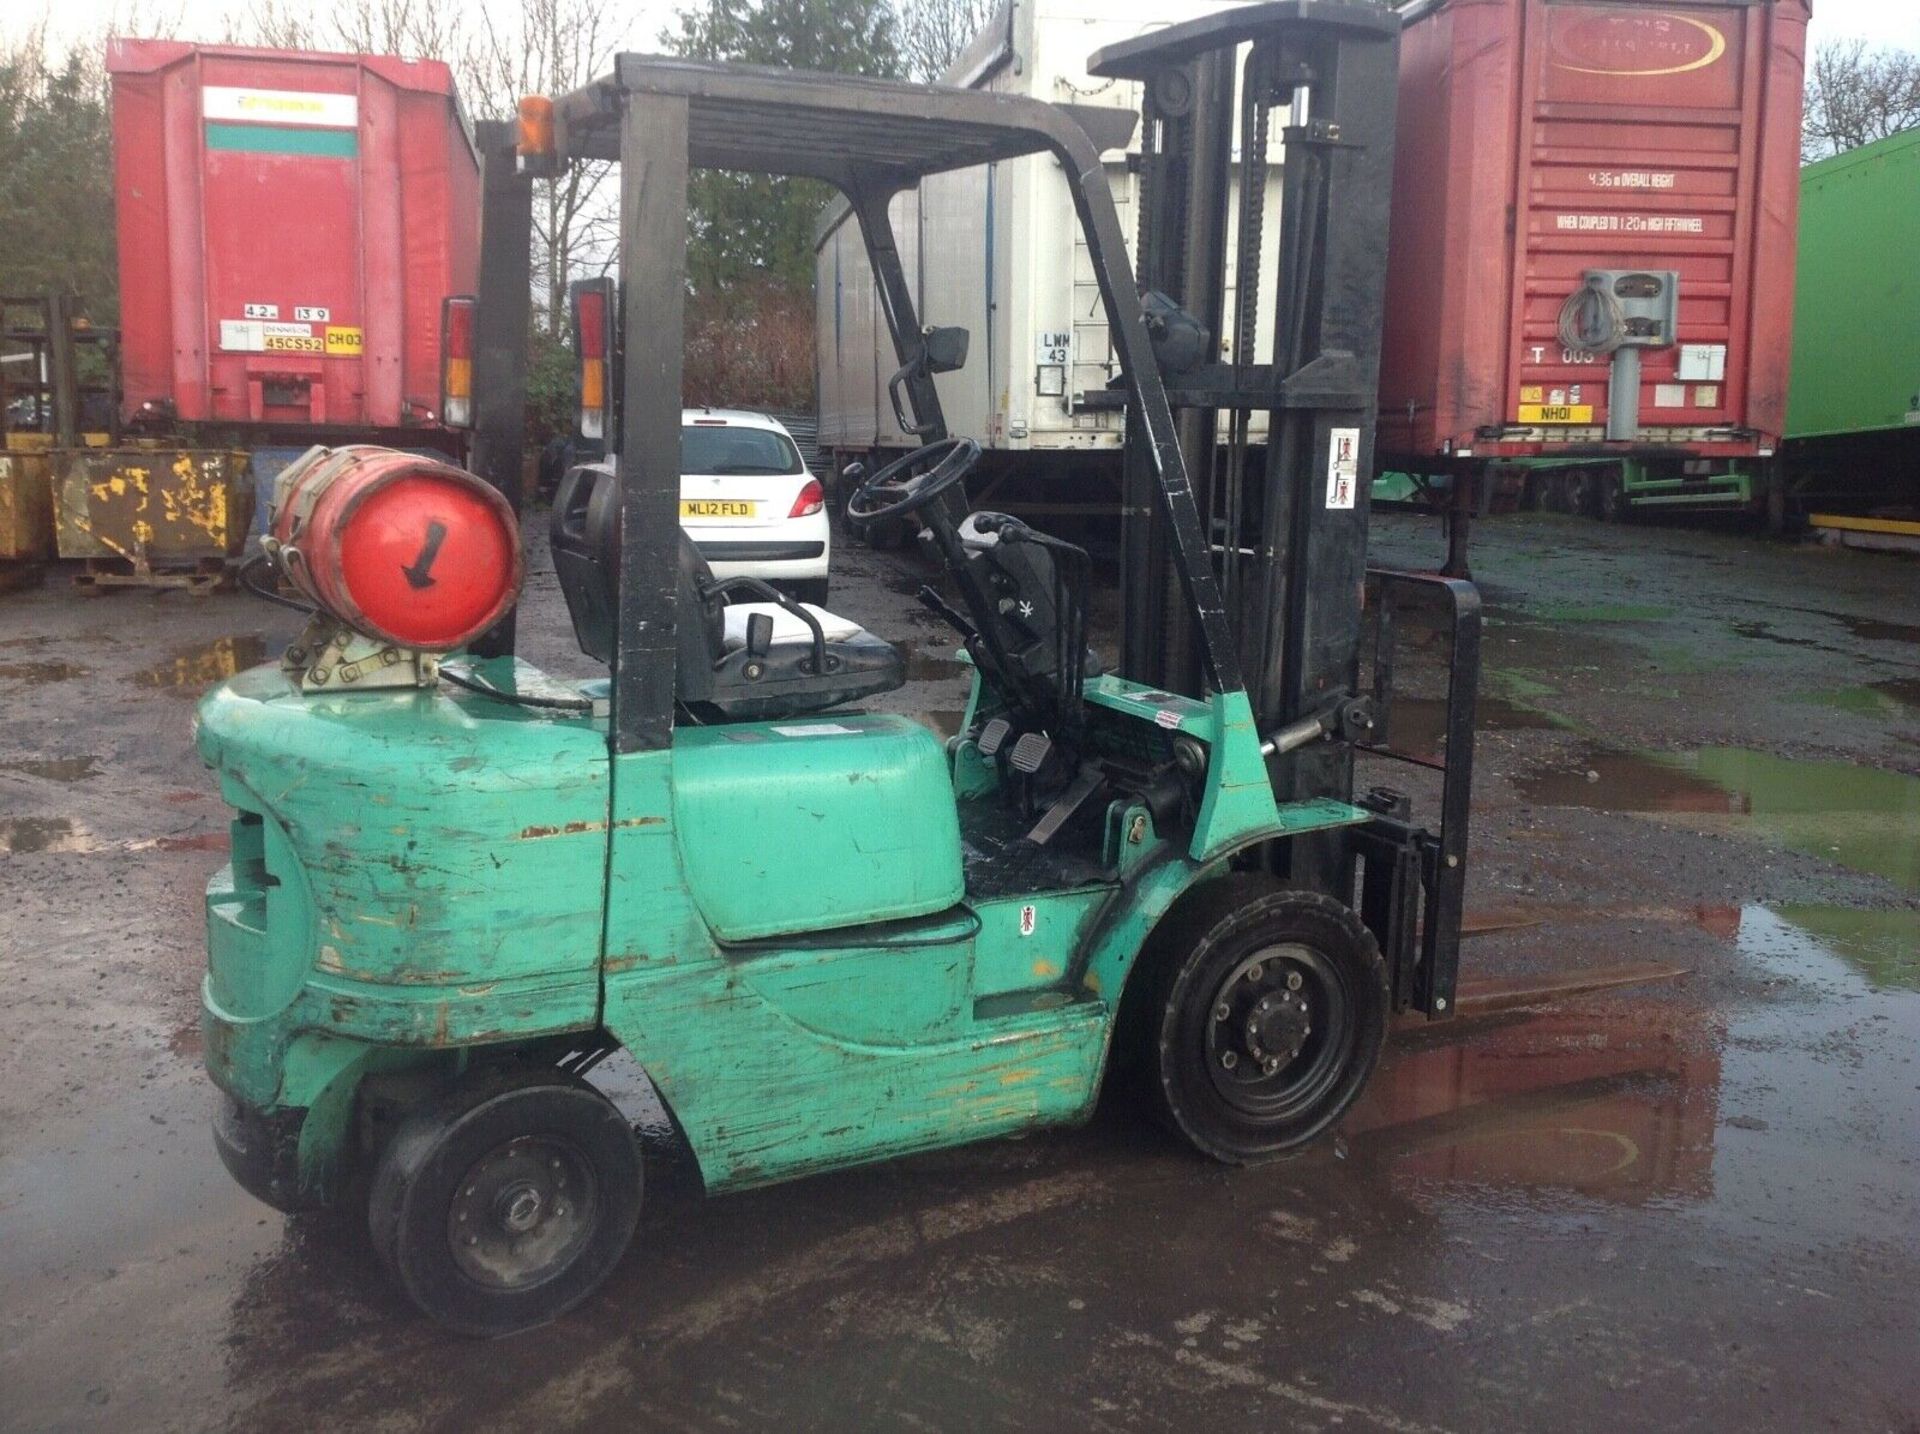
column 585, row 532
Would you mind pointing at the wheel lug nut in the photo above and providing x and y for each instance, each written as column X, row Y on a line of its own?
column 1229, row 1059
column 473, row 1239
column 1271, row 1066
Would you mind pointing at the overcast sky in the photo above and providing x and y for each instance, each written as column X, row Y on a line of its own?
column 1892, row 22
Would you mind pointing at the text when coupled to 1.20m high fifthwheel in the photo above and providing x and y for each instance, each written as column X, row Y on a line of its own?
column 458, row 883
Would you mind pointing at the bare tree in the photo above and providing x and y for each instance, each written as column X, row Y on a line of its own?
column 557, row 46
column 932, row 33
column 1857, row 93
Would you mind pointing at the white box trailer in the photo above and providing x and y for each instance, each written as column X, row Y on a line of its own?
column 998, row 250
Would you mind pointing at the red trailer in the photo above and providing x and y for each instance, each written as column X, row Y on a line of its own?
column 1550, row 146
column 289, row 225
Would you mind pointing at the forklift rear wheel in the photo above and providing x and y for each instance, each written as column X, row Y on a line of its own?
column 506, row 1202
column 1272, row 1007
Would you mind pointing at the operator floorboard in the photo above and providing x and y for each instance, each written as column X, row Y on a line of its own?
column 1001, row 862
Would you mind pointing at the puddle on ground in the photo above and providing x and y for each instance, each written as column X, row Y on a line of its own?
column 1873, row 629
column 36, row 674
column 1618, row 1102
column 1763, row 632
column 1905, row 691
column 55, row 769
column 1599, row 612
column 20, row 835
column 1883, row 946
column 1417, row 725
column 191, row 670
column 1892, row 700
column 1865, row 818
column 932, row 662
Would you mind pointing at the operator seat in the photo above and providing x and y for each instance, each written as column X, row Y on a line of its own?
column 728, row 666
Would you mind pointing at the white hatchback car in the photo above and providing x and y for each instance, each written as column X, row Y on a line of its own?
column 748, row 502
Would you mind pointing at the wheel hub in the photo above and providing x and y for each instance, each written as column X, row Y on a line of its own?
column 1278, row 1026
column 522, row 1213
column 519, row 1208
column 1277, row 1029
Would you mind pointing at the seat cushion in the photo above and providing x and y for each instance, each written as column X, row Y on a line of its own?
column 786, row 627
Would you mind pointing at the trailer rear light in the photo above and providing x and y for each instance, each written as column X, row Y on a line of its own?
column 811, row 500
column 456, row 361
column 593, row 318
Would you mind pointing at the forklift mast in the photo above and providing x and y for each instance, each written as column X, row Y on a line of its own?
column 1287, row 522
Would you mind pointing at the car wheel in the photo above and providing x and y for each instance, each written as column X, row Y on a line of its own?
column 505, row 1203
column 813, row 590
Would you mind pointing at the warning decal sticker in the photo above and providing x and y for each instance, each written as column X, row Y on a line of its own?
column 1343, row 467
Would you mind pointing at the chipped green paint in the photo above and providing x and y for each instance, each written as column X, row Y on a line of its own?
column 419, row 874
column 380, row 892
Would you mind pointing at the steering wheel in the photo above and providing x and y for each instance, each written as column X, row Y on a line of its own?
column 952, row 460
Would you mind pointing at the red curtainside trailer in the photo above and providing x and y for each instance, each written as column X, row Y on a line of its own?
column 289, row 225
column 1592, row 251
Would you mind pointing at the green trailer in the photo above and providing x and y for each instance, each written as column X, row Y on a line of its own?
column 1852, row 455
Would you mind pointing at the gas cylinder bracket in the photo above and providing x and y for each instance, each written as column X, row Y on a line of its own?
column 329, row 656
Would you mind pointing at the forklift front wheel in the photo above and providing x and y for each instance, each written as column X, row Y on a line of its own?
column 505, row 1203
column 1272, row 1009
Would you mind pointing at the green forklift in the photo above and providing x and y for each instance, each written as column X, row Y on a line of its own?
column 825, row 935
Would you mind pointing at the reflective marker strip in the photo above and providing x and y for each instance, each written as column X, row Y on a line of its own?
column 264, row 139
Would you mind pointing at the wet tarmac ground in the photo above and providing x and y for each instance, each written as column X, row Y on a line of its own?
column 1694, row 1204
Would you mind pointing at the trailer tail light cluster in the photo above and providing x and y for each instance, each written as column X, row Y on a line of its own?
column 811, row 500
column 593, row 310
column 456, row 361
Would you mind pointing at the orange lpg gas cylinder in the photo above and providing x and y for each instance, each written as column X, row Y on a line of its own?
column 406, row 549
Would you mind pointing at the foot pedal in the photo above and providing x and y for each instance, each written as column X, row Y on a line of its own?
column 1061, row 812
column 1030, row 753
column 994, row 736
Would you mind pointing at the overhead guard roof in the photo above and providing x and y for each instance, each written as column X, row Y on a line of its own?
column 1237, row 25
column 840, row 128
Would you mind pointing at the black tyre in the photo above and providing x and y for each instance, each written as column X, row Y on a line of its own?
column 1271, row 1009
column 813, row 590
column 1611, row 499
column 505, row 1203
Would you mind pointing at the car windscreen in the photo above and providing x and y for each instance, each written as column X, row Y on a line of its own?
column 714, row 449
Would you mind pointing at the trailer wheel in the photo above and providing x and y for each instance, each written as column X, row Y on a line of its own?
column 505, row 1203
column 1610, row 502
column 1272, row 1010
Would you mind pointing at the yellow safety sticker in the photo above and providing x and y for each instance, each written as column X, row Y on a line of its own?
column 1556, row 413
column 292, row 344
column 343, row 340
column 1533, row 393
